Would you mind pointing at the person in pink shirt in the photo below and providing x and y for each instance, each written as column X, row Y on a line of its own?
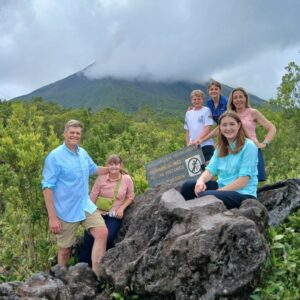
column 117, row 180
column 250, row 117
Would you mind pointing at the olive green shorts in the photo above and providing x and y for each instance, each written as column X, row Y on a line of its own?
column 66, row 238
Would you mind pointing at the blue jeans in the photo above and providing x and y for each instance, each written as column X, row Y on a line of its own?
column 113, row 225
column 261, row 167
column 231, row 199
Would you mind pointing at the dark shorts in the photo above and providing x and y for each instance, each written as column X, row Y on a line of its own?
column 261, row 167
column 208, row 152
column 113, row 225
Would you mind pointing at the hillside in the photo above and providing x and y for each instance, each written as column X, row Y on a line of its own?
column 77, row 90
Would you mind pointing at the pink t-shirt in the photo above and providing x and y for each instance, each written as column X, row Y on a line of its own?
column 104, row 186
column 249, row 123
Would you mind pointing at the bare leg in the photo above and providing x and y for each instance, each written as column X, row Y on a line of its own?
column 100, row 235
column 63, row 256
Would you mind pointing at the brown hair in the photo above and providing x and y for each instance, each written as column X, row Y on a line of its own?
column 116, row 159
column 215, row 83
column 230, row 105
column 222, row 144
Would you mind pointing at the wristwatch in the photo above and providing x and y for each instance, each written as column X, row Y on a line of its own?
column 266, row 143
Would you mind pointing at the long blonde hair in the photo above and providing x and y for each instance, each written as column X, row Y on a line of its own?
column 222, row 144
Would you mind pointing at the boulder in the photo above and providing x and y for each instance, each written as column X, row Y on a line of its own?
column 170, row 248
column 78, row 282
column 280, row 199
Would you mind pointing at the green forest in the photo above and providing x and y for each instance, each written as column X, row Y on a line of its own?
column 29, row 130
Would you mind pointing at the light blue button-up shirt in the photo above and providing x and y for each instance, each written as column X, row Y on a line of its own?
column 233, row 166
column 67, row 174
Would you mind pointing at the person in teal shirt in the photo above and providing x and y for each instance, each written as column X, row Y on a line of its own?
column 234, row 163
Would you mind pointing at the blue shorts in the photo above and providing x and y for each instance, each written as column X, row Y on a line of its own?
column 261, row 167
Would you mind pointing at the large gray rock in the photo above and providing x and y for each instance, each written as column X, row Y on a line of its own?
column 77, row 283
column 280, row 199
column 172, row 249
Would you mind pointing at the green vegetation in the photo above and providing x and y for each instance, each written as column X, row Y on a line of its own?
column 281, row 274
column 29, row 130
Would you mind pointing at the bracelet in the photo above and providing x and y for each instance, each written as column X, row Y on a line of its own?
column 266, row 143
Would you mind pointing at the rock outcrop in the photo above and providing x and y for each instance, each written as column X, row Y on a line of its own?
column 171, row 249
column 280, row 199
column 76, row 283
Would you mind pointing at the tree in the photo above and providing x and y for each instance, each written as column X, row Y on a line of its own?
column 288, row 93
column 24, row 143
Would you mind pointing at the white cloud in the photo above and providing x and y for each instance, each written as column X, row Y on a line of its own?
column 261, row 73
column 244, row 43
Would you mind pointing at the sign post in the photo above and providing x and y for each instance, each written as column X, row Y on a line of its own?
column 176, row 167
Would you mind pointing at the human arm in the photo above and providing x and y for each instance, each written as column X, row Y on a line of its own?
column 237, row 184
column 210, row 171
column 51, row 173
column 267, row 125
column 95, row 190
column 102, row 170
column 122, row 208
column 238, row 169
column 93, row 168
column 211, row 134
column 187, row 137
column 128, row 198
column 54, row 224
column 204, row 133
column 200, row 184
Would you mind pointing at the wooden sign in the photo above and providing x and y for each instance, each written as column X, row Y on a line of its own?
column 176, row 167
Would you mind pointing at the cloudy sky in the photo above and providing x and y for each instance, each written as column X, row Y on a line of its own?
column 238, row 42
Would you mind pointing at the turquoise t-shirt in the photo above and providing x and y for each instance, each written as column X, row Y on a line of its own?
column 233, row 166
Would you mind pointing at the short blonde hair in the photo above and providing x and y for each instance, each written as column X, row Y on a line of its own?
column 72, row 123
column 197, row 93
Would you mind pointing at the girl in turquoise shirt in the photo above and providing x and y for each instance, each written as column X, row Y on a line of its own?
column 234, row 163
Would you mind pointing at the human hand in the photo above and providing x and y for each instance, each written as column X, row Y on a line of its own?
column 200, row 187
column 260, row 145
column 54, row 225
column 199, row 142
column 193, row 143
column 120, row 213
column 102, row 170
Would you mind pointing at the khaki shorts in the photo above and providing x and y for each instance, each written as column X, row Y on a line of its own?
column 66, row 238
